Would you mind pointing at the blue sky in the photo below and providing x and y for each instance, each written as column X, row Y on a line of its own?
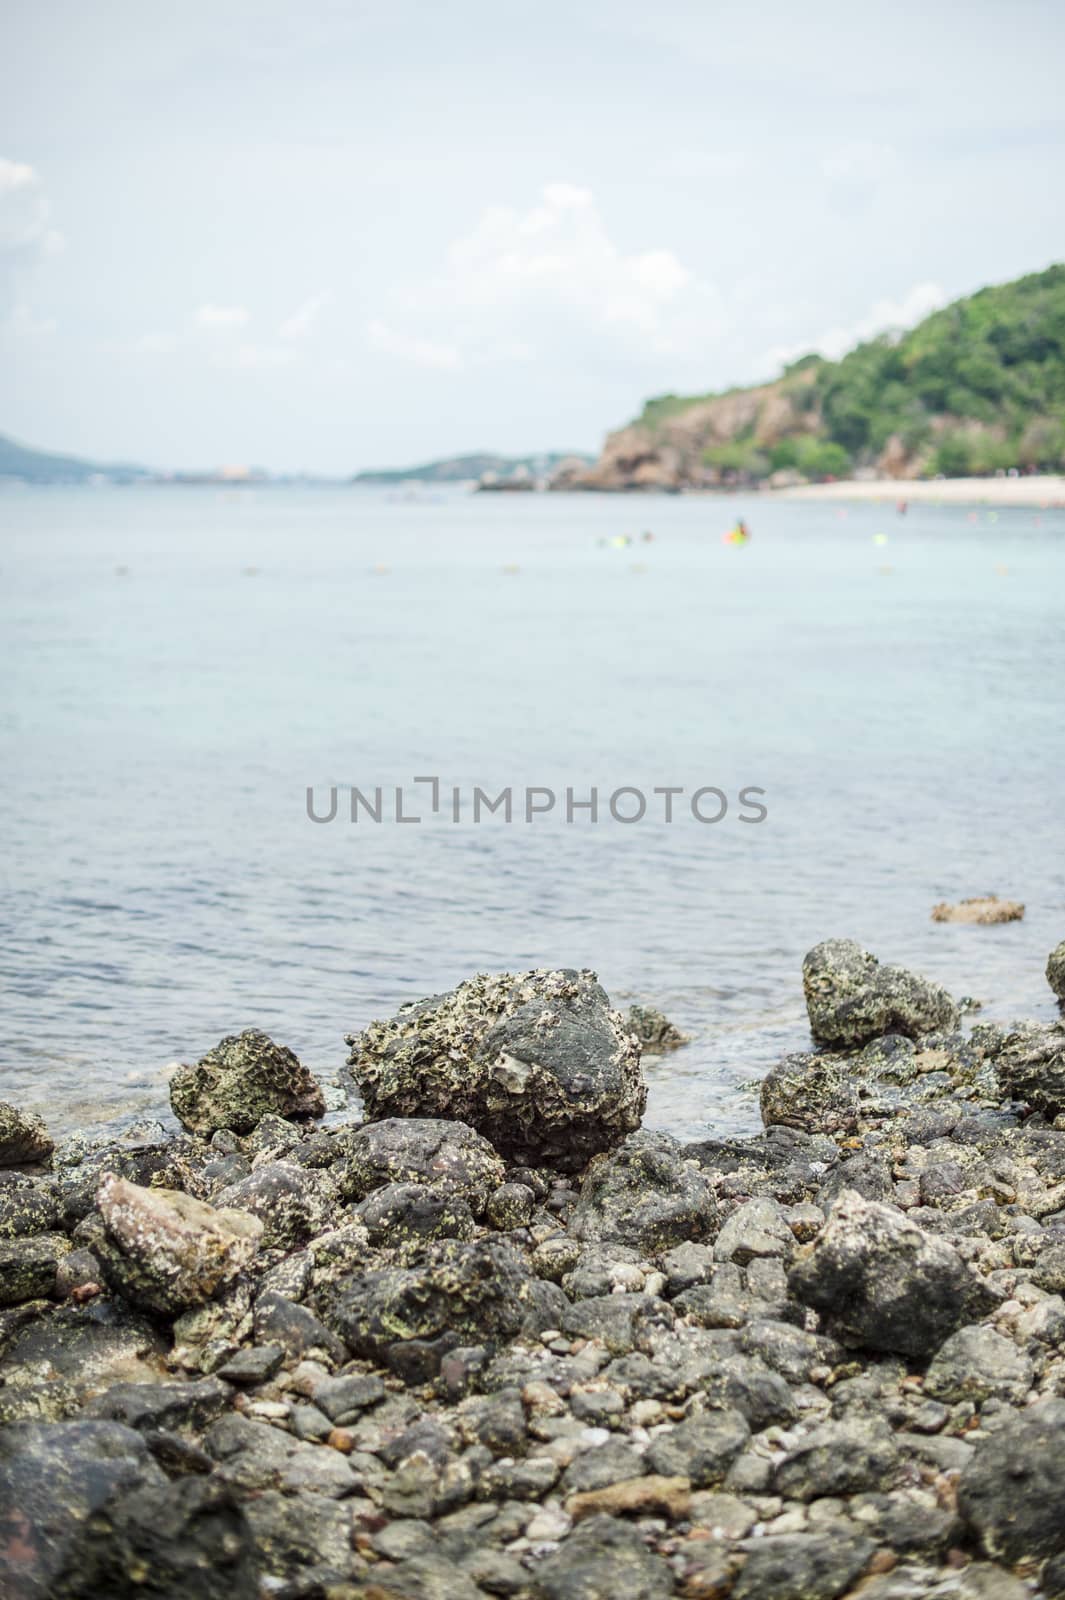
column 331, row 236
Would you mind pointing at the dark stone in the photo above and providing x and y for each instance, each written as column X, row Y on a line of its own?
column 801, row 1566
column 28, row 1267
column 647, row 1195
column 450, row 1157
column 880, row 1282
column 602, row 1557
column 162, row 1405
column 24, row 1139
column 401, row 1213
column 838, row 1458
column 292, row 1326
column 1012, row 1492
column 255, row 1364
column 701, row 1449
column 293, row 1203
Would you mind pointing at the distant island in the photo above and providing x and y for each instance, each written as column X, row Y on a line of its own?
column 484, row 469
column 975, row 390
column 40, row 466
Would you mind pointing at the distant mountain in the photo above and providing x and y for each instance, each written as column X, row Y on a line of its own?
column 976, row 388
column 463, row 469
column 39, row 466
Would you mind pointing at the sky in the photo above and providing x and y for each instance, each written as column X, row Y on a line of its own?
column 327, row 236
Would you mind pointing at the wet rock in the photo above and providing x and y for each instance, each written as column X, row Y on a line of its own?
column 165, row 1251
column 293, row 1203
column 1012, row 1492
column 647, row 1194
column 1031, row 1066
column 147, row 1406
column 612, row 1462
column 700, row 1449
column 602, row 1557
column 28, row 1267
column 881, row 1283
column 244, row 1078
column 510, row 1206
column 257, row 1364
column 24, row 1139
column 817, row 1094
column 447, row 1156
column 986, row 909
column 403, row 1213
column 537, row 1062
column 53, row 1477
column 656, row 1034
column 851, row 998
column 91, row 1344
column 477, row 1291
column 801, row 1566
column 622, row 1322
column 979, row 1364
column 1056, row 970
column 28, row 1206
column 757, row 1229
column 292, row 1533
column 838, row 1458
column 295, row 1328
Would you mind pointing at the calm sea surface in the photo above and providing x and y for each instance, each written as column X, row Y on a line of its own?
column 179, row 666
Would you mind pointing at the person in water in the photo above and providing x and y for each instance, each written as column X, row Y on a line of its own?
column 740, row 534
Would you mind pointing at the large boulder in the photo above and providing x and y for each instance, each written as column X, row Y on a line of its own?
column 166, row 1252
column 447, row 1156
column 851, row 998
column 243, row 1079
column 537, row 1062
column 880, row 1282
column 1056, row 970
column 23, row 1137
column 817, row 1094
column 647, row 1194
column 1013, row 1490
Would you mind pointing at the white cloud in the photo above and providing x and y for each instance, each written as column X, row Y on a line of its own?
column 523, row 283
column 422, row 352
column 21, row 323
column 302, row 320
column 26, row 232
column 212, row 316
column 884, row 316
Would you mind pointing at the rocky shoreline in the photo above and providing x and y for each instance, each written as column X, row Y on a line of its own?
column 496, row 1340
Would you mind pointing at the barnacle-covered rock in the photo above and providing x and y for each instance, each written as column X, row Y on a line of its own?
column 446, row 1156
column 243, row 1079
column 1056, row 970
column 648, row 1194
column 851, row 998
column 164, row 1251
column 657, row 1035
column 23, row 1137
column 537, row 1062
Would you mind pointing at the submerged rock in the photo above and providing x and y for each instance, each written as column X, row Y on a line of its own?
column 985, row 909
column 537, row 1062
column 1056, row 970
column 657, row 1035
column 23, row 1137
column 243, row 1079
column 166, row 1252
column 851, row 998
column 1012, row 1492
column 882, row 1283
column 647, row 1194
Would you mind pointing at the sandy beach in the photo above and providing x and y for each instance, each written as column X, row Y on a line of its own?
column 1039, row 491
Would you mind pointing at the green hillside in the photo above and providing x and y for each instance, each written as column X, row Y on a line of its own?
column 975, row 388
column 39, row 466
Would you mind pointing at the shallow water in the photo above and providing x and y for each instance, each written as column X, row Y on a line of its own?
column 179, row 665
